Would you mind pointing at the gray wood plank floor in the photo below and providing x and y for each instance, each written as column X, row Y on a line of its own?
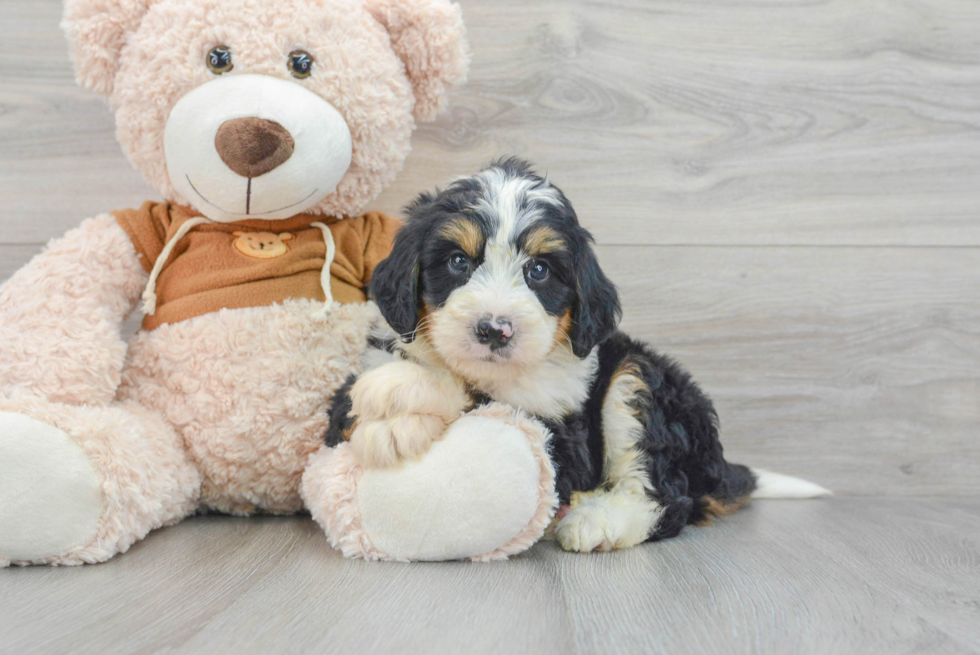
column 841, row 575
column 788, row 195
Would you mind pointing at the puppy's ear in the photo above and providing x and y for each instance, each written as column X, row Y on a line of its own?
column 395, row 281
column 597, row 310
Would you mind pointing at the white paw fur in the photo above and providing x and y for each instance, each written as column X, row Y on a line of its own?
column 406, row 388
column 50, row 495
column 385, row 442
column 401, row 408
column 607, row 520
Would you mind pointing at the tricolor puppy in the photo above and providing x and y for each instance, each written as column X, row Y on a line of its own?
column 496, row 295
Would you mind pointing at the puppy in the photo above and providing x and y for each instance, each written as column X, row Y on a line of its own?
column 495, row 294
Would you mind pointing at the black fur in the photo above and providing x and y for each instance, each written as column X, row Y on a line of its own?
column 683, row 452
column 578, row 463
column 339, row 412
column 398, row 285
column 437, row 279
column 377, row 343
column 597, row 310
column 394, row 283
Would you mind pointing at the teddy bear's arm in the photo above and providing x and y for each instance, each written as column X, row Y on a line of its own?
column 399, row 409
column 60, row 315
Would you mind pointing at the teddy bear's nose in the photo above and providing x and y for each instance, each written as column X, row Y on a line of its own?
column 253, row 146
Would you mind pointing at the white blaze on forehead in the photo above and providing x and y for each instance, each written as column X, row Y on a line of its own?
column 512, row 204
column 497, row 287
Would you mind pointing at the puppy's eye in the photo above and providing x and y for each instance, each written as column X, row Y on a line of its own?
column 537, row 271
column 300, row 64
column 219, row 60
column 458, row 264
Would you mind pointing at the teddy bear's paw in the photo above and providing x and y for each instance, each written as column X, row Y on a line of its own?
column 50, row 495
column 606, row 520
column 386, row 442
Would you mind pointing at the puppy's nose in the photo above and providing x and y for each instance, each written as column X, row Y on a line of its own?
column 495, row 332
column 253, row 146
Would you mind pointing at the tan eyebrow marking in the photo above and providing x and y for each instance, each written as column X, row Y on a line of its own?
column 464, row 233
column 543, row 240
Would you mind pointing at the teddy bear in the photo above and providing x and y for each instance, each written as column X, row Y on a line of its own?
column 266, row 128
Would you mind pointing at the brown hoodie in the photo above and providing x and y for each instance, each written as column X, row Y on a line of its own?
column 252, row 263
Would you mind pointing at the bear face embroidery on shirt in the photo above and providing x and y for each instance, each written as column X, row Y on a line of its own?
column 262, row 245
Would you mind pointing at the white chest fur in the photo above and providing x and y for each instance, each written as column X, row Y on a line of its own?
column 553, row 389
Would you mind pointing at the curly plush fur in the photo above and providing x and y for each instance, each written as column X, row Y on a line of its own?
column 220, row 411
column 60, row 315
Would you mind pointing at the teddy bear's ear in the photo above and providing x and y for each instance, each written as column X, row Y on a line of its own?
column 428, row 35
column 286, row 236
column 97, row 31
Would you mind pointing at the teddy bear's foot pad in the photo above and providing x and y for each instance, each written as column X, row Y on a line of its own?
column 485, row 491
column 50, row 495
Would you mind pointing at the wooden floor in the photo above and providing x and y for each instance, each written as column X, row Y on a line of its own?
column 844, row 575
column 788, row 195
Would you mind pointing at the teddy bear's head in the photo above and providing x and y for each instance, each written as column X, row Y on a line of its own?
column 252, row 109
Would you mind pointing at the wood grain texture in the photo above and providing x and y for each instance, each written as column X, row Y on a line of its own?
column 791, row 121
column 858, row 367
column 831, row 576
column 825, row 122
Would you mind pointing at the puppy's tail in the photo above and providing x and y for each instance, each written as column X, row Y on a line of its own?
column 740, row 483
column 777, row 485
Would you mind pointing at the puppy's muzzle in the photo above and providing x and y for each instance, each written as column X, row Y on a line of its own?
column 495, row 332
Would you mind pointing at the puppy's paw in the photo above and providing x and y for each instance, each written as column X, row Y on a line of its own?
column 607, row 520
column 583, row 530
column 386, row 442
column 405, row 388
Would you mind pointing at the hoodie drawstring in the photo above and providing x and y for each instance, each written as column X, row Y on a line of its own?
column 325, row 271
column 149, row 294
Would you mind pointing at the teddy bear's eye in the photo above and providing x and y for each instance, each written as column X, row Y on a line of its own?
column 300, row 64
column 219, row 60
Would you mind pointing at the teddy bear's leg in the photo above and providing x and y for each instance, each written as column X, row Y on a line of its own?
column 80, row 483
column 485, row 491
column 61, row 313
